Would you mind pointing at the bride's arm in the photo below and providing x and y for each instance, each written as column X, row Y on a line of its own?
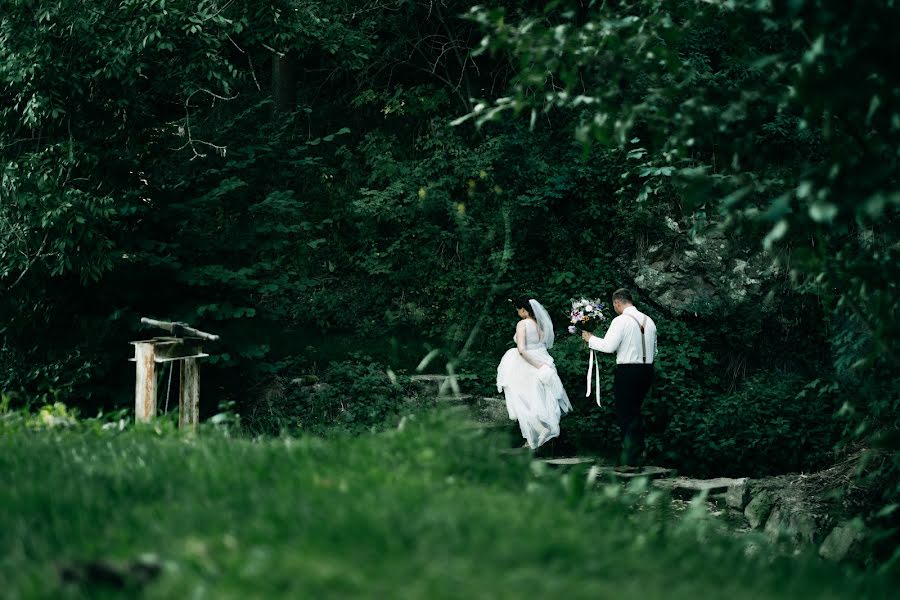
column 521, row 346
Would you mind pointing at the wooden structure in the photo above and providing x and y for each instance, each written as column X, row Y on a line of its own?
column 182, row 347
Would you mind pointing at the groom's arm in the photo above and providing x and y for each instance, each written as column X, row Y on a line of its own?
column 610, row 342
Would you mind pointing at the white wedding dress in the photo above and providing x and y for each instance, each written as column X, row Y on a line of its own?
column 535, row 397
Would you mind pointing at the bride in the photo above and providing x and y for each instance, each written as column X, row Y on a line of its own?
column 527, row 376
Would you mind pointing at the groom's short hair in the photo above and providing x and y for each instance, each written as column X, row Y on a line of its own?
column 623, row 294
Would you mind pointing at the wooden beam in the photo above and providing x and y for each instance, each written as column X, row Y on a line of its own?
column 179, row 330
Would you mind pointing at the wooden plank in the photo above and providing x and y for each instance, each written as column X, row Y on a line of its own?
column 193, row 356
column 169, row 348
column 180, row 329
column 145, row 382
column 159, row 360
column 189, row 396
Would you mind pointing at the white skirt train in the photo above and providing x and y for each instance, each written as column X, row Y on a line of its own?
column 535, row 398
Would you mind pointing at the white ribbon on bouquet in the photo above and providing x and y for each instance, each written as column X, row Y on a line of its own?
column 596, row 373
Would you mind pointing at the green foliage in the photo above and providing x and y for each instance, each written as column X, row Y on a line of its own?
column 285, row 174
column 349, row 397
column 429, row 510
column 743, row 107
column 767, row 425
column 770, row 423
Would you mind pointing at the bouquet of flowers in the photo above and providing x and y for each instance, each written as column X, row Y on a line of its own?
column 586, row 315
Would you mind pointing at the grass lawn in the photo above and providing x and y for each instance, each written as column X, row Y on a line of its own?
column 431, row 510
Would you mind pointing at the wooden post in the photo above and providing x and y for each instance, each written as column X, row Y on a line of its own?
column 145, row 382
column 189, row 395
column 182, row 347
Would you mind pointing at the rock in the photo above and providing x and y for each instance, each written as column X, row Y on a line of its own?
column 738, row 495
column 776, row 524
column 793, row 520
column 696, row 268
column 804, row 527
column 842, row 541
column 720, row 499
column 759, row 508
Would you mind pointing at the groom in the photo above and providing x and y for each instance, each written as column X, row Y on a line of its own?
column 632, row 336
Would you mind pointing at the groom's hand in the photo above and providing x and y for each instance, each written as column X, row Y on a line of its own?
column 586, row 335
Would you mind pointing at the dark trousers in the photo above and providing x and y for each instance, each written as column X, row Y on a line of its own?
column 630, row 387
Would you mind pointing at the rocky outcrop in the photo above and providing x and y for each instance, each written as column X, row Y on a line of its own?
column 796, row 510
column 695, row 272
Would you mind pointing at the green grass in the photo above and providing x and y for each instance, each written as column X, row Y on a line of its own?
column 429, row 511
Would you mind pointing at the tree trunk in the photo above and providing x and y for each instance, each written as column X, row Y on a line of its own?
column 284, row 82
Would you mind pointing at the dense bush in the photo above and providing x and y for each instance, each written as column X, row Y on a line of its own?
column 347, row 397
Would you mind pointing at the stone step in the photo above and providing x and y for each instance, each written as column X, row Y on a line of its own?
column 437, row 382
column 427, row 378
column 626, row 474
column 567, row 461
column 491, row 410
column 685, row 487
column 606, row 472
column 457, row 398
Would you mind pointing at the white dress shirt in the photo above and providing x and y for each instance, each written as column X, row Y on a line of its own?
column 624, row 338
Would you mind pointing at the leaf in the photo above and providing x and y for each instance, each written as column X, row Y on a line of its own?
column 428, row 358
column 775, row 234
column 823, row 212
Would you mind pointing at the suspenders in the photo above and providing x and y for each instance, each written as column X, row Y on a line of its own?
column 643, row 342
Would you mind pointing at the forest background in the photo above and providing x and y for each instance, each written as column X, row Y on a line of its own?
column 351, row 192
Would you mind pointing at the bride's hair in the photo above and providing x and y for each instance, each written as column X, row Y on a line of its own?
column 525, row 302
